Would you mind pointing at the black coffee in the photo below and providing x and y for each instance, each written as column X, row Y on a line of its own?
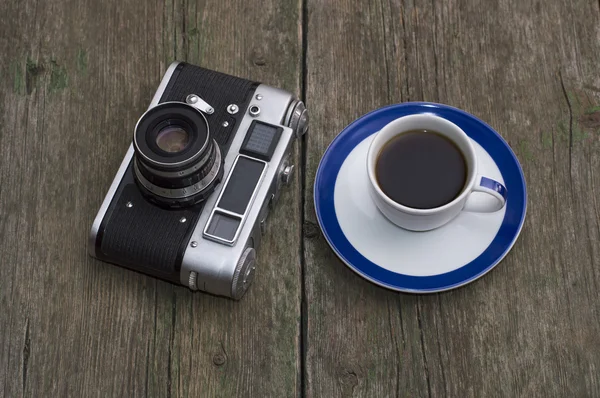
column 421, row 169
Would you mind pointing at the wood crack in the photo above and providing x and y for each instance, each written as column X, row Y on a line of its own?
column 171, row 343
column 153, row 332
column 435, row 56
column 26, row 351
column 17, row 232
column 404, row 42
column 303, row 327
column 591, row 252
column 393, row 41
column 147, row 365
column 395, row 343
column 566, row 95
column 27, row 342
column 589, row 241
column 439, row 347
column 174, row 32
column 594, row 196
column 401, row 324
column 184, row 36
column 385, row 54
column 425, row 365
column 563, row 271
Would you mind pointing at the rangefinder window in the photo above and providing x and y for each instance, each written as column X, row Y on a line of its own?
column 261, row 140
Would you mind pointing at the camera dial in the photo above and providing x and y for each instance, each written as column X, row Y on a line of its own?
column 177, row 162
column 297, row 118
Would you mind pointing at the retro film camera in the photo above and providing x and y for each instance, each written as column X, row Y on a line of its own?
column 190, row 199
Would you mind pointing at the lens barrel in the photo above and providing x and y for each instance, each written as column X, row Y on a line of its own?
column 176, row 162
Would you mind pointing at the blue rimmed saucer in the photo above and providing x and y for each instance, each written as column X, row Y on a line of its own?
column 417, row 262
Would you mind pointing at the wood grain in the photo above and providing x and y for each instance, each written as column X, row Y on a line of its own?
column 74, row 78
column 531, row 327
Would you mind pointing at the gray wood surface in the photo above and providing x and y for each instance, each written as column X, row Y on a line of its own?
column 74, row 78
column 531, row 327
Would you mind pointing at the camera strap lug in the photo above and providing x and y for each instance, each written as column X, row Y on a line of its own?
column 198, row 103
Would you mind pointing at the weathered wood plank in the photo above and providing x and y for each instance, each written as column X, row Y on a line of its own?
column 361, row 340
column 74, row 78
column 530, row 327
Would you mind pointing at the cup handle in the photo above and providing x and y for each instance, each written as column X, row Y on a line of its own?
column 491, row 187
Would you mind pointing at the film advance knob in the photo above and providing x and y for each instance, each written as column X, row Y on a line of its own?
column 244, row 273
column 298, row 119
column 192, row 280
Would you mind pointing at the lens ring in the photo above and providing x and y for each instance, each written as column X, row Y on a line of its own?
column 180, row 179
column 193, row 193
column 181, row 173
column 155, row 120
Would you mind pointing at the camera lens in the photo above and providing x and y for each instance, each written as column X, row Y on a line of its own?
column 172, row 139
column 177, row 163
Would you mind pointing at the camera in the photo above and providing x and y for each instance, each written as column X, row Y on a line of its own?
column 207, row 162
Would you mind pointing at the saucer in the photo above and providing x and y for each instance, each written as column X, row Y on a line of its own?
column 417, row 262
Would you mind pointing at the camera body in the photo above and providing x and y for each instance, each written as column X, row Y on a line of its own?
column 190, row 200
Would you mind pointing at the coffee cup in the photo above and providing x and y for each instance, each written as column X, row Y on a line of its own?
column 402, row 134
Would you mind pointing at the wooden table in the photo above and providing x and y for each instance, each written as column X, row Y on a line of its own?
column 76, row 75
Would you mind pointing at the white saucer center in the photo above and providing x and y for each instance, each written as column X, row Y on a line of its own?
column 411, row 253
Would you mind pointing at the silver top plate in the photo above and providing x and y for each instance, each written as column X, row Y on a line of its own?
column 215, row 262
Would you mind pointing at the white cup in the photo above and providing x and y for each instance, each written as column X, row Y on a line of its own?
column 427, row 219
